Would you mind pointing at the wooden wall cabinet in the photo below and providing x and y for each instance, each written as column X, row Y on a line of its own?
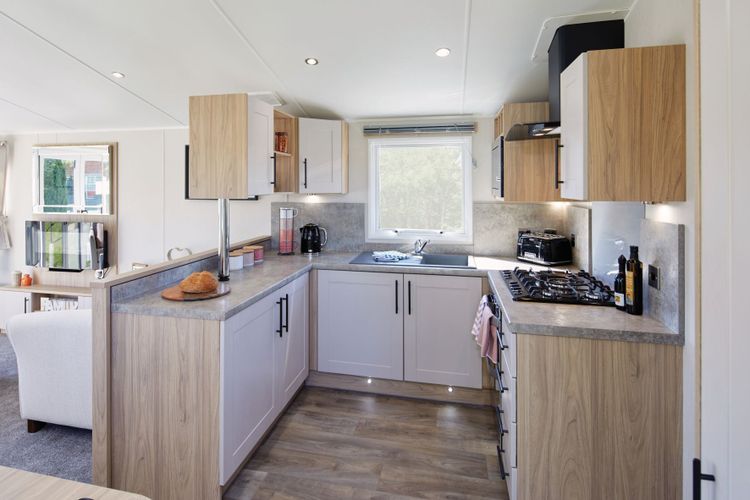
column 623, row 125
column 287, row 173
column 231, row 147
column 323, row 156
column 529, row 165
column 399, row 327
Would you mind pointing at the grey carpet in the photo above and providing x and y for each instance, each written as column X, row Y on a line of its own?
column 56, row 450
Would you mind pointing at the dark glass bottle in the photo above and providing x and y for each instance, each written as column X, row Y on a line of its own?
column 620, row 284
column 634, row 283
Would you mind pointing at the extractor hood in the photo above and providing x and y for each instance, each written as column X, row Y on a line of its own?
column 569, row 42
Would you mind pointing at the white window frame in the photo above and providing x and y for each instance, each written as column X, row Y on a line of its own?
column 79, row 184
column 376, row 235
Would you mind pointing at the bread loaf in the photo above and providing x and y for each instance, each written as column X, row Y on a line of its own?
column 202, row 282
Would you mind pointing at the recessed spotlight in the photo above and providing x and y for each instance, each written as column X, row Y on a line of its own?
column 450, row 388
column 443, row 52
column 369, row 380
column 311, row 61
column 117, row 74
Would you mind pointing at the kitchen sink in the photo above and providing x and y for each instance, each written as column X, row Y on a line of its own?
column 440, row 260
column 424, row 260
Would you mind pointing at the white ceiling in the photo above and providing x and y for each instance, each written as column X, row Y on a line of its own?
column 376, row 57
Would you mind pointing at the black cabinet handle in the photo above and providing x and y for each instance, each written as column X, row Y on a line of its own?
column 286, row 325
column 25, row 305
column 557, row 164
column 396, row 283
column 699, row 476
column 281, row 317
column 409, row 298
column 304, row 162
column 503, row 475
column 502, row 388
column 273, row 157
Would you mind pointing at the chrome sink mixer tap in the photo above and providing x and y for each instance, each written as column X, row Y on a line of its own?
column 419, row 246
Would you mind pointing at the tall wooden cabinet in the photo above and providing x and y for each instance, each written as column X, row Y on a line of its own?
column 529, row 165
column 623, row 125
column 323, row 156
column 231, row 147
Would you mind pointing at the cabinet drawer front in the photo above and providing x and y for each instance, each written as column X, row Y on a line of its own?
column 509, row 396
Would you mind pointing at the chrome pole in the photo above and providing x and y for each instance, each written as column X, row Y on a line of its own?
column 223, row 239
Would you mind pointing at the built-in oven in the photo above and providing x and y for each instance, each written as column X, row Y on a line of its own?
column 498, row 167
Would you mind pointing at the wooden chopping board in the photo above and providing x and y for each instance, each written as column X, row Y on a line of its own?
column 174, row 293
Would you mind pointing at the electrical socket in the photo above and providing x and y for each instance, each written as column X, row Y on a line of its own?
column 653, row 277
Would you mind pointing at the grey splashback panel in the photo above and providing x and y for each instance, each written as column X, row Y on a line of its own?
column 496, row 224
column 614, row 227
column 495, row 227
column 345, row 223
column 577, row 221
column 663, row 245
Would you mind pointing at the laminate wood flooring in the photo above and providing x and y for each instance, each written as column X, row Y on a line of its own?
column 334, row 444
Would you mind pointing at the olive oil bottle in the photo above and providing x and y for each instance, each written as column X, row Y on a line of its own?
column 634, row 283
column 620, row 284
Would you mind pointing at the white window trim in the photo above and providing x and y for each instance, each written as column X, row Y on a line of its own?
column 375, row 235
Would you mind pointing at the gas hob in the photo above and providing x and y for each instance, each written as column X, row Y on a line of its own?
column 558, row 286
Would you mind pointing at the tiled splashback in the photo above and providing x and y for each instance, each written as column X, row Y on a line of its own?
column 663, row 245
column 495, row 227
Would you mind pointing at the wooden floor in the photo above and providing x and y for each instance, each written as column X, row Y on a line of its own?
column 335, row 444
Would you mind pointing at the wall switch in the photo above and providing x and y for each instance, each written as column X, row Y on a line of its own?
column 572, row 240
column 653, row 277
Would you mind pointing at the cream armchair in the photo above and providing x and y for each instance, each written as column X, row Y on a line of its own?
column 53, row 350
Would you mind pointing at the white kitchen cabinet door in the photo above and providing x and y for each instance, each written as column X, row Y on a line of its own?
column 292, row 343
column 360, row 324
column 438, row 345
column 320, row 156
column 12, row 303
column 248, row 387
column 574, row 130
column 260, row 173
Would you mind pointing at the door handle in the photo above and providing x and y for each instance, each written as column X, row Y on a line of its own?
column 409, row 301
column 557, row 164
column 25, row 305
column 273, row 157
column 286, row 325
column 304, row 162
column 280, row 331
column 396, row 283
column 699, row 476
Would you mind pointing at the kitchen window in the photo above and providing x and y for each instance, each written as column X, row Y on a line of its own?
column 420, row 188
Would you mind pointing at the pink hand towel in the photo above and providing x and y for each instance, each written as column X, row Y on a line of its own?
column 482, row 331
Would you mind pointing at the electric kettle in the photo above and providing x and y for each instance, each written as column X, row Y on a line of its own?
column 311, row 241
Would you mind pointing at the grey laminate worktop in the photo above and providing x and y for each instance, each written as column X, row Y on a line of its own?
column 572, row 320
column 253, row 283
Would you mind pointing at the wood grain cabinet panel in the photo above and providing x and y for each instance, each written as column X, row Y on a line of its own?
column 598, row 419
column 623, row 125
column 231, row 147
column 529, row 165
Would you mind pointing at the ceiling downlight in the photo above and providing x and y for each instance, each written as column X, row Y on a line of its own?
column 443, row 52
column 311, row 61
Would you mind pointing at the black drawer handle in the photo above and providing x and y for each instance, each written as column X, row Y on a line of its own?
column 504, row 475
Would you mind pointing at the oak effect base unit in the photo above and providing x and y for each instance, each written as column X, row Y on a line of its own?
column 192, row 398
column 591, row 419
column 399, row 327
